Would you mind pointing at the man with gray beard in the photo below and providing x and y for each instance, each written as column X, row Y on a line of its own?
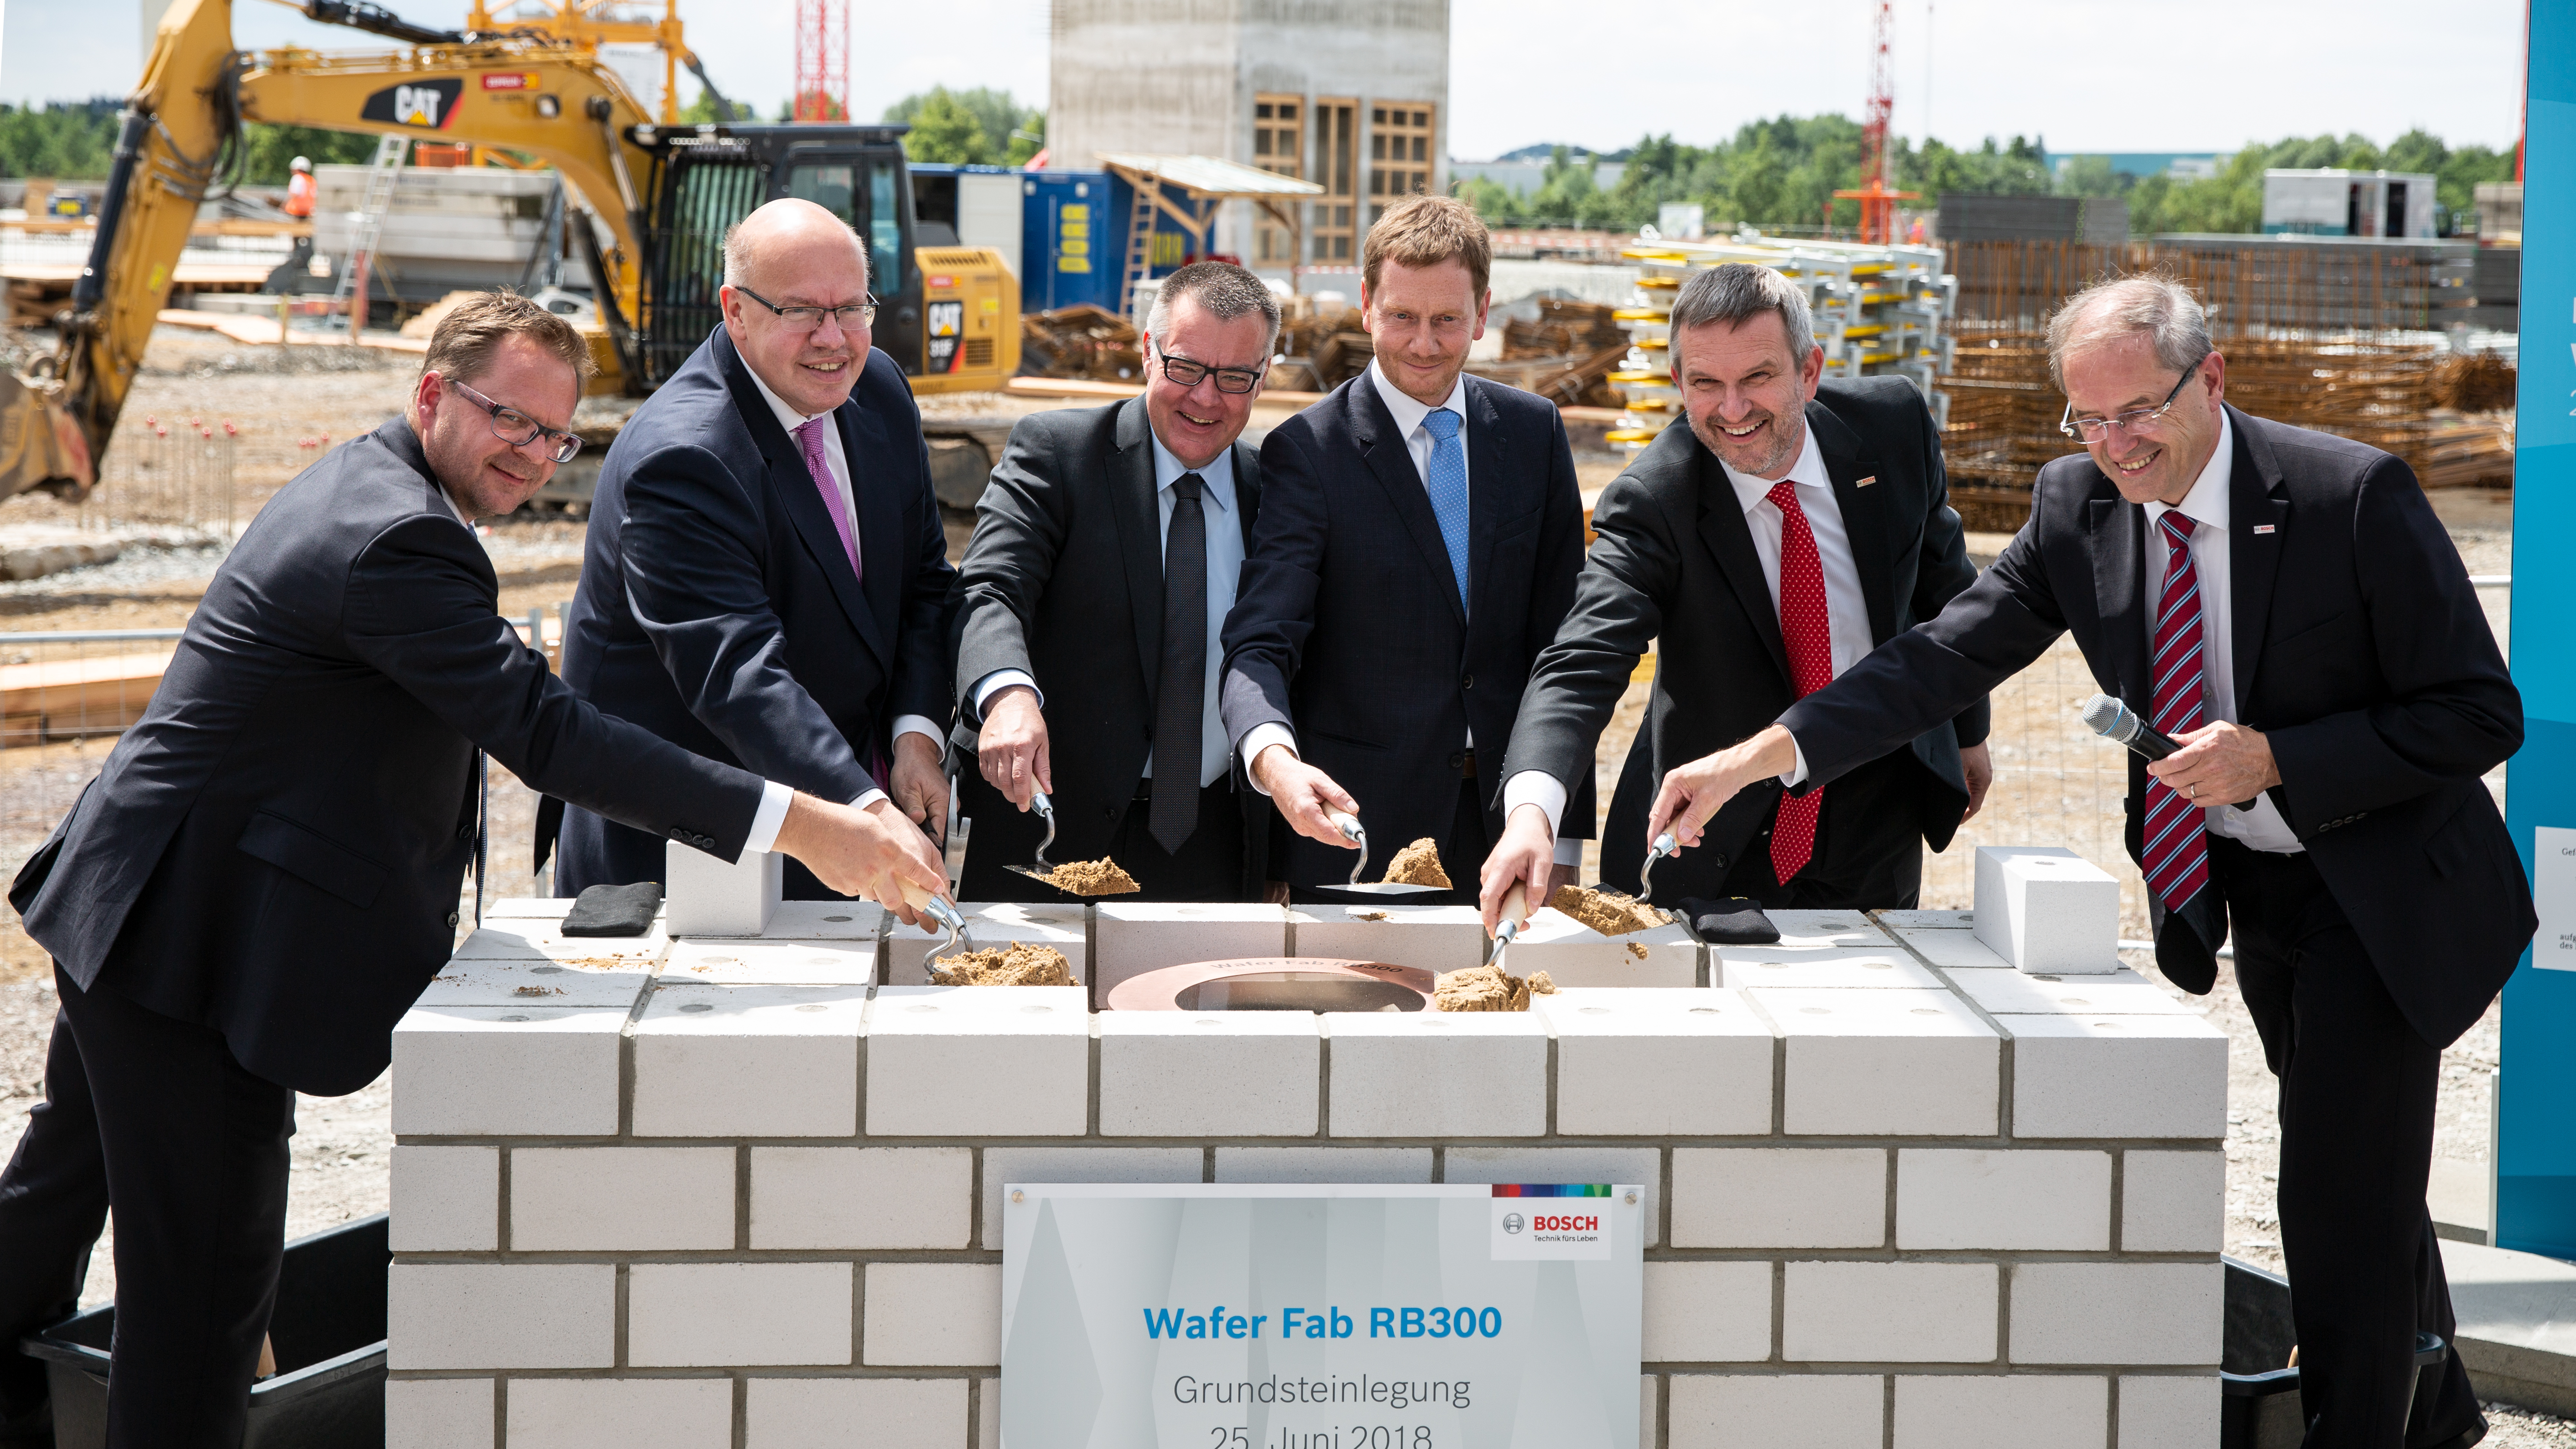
column 1792, row 527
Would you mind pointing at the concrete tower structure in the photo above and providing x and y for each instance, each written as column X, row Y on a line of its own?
column 1350, row 94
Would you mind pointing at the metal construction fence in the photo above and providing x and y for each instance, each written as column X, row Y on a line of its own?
column 170, row 480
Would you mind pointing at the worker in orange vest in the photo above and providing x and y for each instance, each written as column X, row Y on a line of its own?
column 301, row 189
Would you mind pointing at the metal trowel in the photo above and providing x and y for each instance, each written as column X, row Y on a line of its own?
column 1515, row 916
column 940, row 910
column 1664, row 845
column 1044, row 870
column 1349, row 825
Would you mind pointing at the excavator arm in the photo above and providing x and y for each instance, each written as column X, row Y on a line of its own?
column 181, row 129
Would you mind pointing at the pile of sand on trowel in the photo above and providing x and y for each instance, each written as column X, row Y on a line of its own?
column 1417, row 864
column 1100, row 877
column 1488, row 988
column 1019, row 966
column 1612, row 913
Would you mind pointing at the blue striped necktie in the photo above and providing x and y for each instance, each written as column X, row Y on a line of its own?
column 1446, row 481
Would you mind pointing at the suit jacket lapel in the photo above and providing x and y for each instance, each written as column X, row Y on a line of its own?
column 2119, row 592
column 2253, row 559
column 1486, row 503
column 1140, row 535
column 794, row 488
column 1393, row 466
column 1730, row 542
column 1247, row 491
column 1864, row 521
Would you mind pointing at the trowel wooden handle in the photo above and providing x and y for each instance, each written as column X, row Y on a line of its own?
column 1515, row 912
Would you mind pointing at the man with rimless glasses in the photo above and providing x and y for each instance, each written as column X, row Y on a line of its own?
column 765, row 580
column 1105, row 557
column 2285, row 605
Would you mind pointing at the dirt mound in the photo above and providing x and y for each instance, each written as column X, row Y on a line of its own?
column 1488, row 988
column 1019, row 966
column 1612, row 913
column 1417, row 864
column 1100, row 877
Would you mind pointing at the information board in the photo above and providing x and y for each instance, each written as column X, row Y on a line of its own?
column 1310, row 1316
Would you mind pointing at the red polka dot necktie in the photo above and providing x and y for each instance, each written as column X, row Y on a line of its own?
column 1808, row 633
column 2177, row 845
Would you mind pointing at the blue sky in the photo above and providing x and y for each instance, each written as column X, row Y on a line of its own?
column 2089, row 75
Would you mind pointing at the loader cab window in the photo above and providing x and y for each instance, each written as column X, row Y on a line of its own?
column 862, row 193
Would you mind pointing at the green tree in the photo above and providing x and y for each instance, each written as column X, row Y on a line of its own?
column 70, row 141
column 269, row 150
column 978, row 126
column 943, row 130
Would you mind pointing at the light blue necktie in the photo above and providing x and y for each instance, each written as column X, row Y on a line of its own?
column 1447, row 484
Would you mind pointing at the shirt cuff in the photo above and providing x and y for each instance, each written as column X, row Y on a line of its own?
column 1569, row 851
column 1798, row 773
column 918, row 724
column 1539, row 788
column 1261, row 738
column 774, row 799
column 999, row 680
column 869, row 797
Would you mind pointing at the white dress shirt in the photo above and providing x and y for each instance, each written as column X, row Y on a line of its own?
column 773, row 804
column 1846, row 607
column 1224, row 532
column 2206, row 506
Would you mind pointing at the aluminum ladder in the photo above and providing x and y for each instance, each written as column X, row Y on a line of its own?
column 369, row 227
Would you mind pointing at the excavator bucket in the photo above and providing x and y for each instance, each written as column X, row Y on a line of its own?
column 40, row 445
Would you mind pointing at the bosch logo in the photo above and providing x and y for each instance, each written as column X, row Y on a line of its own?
column 1512, row 1222
column 1552, row 1223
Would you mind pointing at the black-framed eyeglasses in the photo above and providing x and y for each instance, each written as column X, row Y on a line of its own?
column 1187, row 372
column 802, row 318
column 2094, row 430
column 518, row 429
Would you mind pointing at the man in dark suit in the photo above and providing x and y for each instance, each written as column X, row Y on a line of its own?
column 1106, row 552
column 766, row 581
column 1793, row 526
column 1420, row 533
column 265, row 874
column 2284, row 604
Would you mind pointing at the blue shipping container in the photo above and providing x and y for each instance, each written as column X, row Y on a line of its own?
column 1072, row 225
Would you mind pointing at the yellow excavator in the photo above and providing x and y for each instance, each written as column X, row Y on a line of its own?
column 662, row 194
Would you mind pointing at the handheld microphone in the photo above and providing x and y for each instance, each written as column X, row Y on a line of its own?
column 2116, row 722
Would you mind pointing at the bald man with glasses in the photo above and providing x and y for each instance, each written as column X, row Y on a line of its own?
column 766, row 579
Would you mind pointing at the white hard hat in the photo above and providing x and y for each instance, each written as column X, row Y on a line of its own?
column 300, row 163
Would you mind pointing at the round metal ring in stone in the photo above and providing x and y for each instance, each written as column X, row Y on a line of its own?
column 514, row 1018
column 699, row 1006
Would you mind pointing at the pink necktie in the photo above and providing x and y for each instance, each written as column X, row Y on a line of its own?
column 809, row 436
column 2177, row 842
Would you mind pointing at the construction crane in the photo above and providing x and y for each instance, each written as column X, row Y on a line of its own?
column 1877, row 200
column 650, row 205
column 822, row 60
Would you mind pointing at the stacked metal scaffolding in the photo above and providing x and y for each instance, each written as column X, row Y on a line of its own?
column 1878, row 310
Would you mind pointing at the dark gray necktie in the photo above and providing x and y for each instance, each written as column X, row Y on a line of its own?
column 1180, row 702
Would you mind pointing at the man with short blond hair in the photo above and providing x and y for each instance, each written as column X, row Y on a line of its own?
column 1419, row 537
column 265, row 873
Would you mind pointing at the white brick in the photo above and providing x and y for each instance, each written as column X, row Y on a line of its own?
column 1140, row 936
column 827, row 921
column 978, row 1061
column 990, row 925
column 2173, row 1202
column 2113, row 993
column 772, row 963
column 988, row 1414
column 1953, row 950
column 1777, row 1411
column 933, row 1314
column 1826, row 930
column 438, row 1414
column 1779, row 1197
column 1323, row 1164
column 1643, row 1166
column 2118, row 1076
column 500, row 1315
column 1428, row 938
column 1649, row 1063
column 1926, row 920
column 829, row 1413
column 2117, row 1313
column 1872, row 1063
column 2045, row 908
column 709, row 896
column 531, row 1072
column 621, row 1413
column 749, row 1061
column 851, row 1198
column 544, row 940
column 1006, row 1165
column 1708, row 1312
column 536, row 981
column 1981, row 1198
column 620, row 1199
column 2160, row 1412
column 1889, row 1313
column 1999, row 1411
column 445, row 1199
column 1649, row 1413
column 1573, row 954
column 722, row 1315
column 531, row 908
column 1438, row 1074
column 1831, row 969
column 1228, row 1074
